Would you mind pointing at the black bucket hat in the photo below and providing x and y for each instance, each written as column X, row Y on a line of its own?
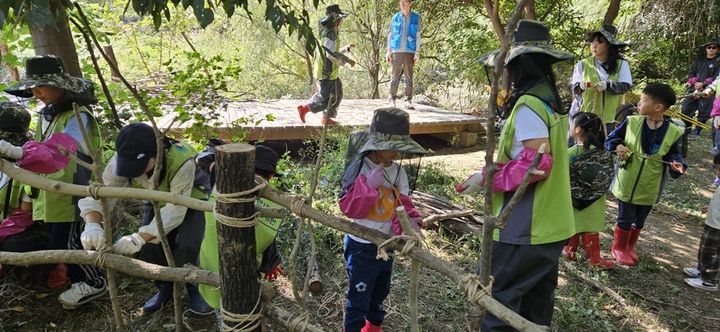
column 49, row 70
column 609, row 32
column 529, row 37
column 390, row 130
column 266, row 159
column 14, row 123
column 332, row 13
column 135, row 145
column 713, row 40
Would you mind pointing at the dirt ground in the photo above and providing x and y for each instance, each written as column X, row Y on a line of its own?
column 655, row 296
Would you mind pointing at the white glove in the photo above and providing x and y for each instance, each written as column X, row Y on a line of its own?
column 585, row 85
column 8, row 150
column 129, row 244
column 473, row 184
column 93, row 237
column 601, row 86
column 716, row 122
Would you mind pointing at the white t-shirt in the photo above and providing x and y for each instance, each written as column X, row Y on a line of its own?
column 528, row 125
column 391, row 173
column 713, row 216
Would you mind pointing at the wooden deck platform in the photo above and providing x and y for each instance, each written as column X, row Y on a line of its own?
column 352, row 113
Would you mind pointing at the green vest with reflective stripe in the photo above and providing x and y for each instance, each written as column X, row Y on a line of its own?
column 641, row 179
column 176, row 156
column 545, row 213
column 265, row 232
column 55, row 207
column 602, row 103
column 13, row 190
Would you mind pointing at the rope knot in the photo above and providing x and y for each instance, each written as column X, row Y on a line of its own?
column 474, row 289
column 94, row 190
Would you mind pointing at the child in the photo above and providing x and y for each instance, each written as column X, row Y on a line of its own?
column 587, row 130
column 647, row 145
column 132, row 165
column 47, row 80
column 707, row 274
column 374, row 185
column 328, row 66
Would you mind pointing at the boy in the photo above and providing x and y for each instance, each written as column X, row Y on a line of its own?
column 331, row 90
column 647, row 145
column 403, row 50
column 707, row 273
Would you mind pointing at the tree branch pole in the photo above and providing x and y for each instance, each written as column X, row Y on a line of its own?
column 422, row 256
column 490, row 221
column 414, row 271
column 126, row 265
column 285, row 318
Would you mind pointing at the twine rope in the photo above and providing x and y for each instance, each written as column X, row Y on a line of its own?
column 94, row 190
column 474, row 289
column 233, row 198
column 298, row 321
column 410, row 243
column 103, row 255
column 242, row 322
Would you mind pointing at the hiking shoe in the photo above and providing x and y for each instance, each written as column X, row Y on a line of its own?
column 716, row 183
column 302, row 110
column 691, row 272
column 409, row 105
column 700, row 284
column 329, row 121
column 79, row 294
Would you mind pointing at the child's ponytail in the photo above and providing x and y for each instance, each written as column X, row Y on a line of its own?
column 592, row 128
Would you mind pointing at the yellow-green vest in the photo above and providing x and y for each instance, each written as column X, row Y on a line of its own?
column 175, row 157
column 55, row 207
column 545, row 213
column 265, row 232
column 641, row 179
column 602, row 103
column 592, row 218
column 14, row 190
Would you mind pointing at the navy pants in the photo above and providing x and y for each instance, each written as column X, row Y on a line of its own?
column 525, row 278
column 368, row 285
column 66, row 235
column 630, row 215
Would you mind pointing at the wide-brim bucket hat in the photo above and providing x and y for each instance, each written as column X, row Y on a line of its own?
column 529, row 37
column 333, row 13
column 14, row 123
column 591, row 175
column 609, row 32
column 48, row 70
column 266, row 159
column 714, row 40
column 390, row 131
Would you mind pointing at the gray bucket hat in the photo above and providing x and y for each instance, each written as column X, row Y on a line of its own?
column 48, row 70
column 609, row 32
column 591, row 175
column 390, row 130
column 529, row 37
column 714, row 40
column 14, row 123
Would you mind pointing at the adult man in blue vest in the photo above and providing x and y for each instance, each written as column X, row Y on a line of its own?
column 403, row 49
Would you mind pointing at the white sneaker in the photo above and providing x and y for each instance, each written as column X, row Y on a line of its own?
column 409, row 105
column 700, row 284
column 691, row 272
column 391, row 101
column 79, row 294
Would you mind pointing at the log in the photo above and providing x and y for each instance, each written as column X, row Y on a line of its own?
column 238, row 267
column 285, row 318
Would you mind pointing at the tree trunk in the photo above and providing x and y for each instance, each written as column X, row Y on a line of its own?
column 530, row 10
column 57, row 40
column 374, row 72
column 12, row 70
column 114, row 74
column 612, row 12
column 238, row 269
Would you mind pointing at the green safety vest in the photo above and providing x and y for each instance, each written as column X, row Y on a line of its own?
column 326, row 69
column 175, row 157
column 592, row 218
column 10, row 193
column 265, row 232
column 545, row 213
column 56, row 207
column 602, row 103
column 640, row 180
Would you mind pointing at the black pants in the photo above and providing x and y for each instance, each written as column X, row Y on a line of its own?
column 630, row 215
column 525, row 281
column 329, row 97
column 701, row 105
column 184, row 240
column 34, row 238
column 66, row 235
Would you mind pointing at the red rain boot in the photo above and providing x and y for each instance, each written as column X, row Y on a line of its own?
column 329, row 121
column 369, row 327
column 634, row 235
column 620, row 247
column 591, row 242
column 302, row 110
column 58, row 276
column 571, row 247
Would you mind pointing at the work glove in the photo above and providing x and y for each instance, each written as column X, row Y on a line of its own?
column 275, row 273
column 601, row 86
column 585, row 85
column 708, row 92
column 473, row 184
column 376, row 177
column 10, row 151
column 93, row 237
column 129, row 244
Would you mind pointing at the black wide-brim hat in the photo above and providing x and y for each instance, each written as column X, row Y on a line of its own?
column 609, row 32
column 332, row 13
column 390, row 131
column 14, row 123
column 714, row 40
column 134, row 146
column 529, row 37
column 49, row 70
column 266, row 159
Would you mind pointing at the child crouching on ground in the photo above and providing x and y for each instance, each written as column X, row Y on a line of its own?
column 373, row 186
column 647, row 145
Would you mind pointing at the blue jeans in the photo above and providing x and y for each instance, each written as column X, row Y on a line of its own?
column 368, row 285
column 630, row 215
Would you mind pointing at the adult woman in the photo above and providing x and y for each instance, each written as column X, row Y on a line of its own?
column 603, row 78
column 526, row 251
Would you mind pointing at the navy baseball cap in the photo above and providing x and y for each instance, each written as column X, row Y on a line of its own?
column 266, row 159
column 134, row 146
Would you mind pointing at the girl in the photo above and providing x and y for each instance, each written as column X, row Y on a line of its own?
column 604, row 77
column 373, row 186
column 588, row 134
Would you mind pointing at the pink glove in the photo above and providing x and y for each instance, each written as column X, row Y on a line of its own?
column 376, row 177
column 692, row 80
column 511, row 173
column 359, row 199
